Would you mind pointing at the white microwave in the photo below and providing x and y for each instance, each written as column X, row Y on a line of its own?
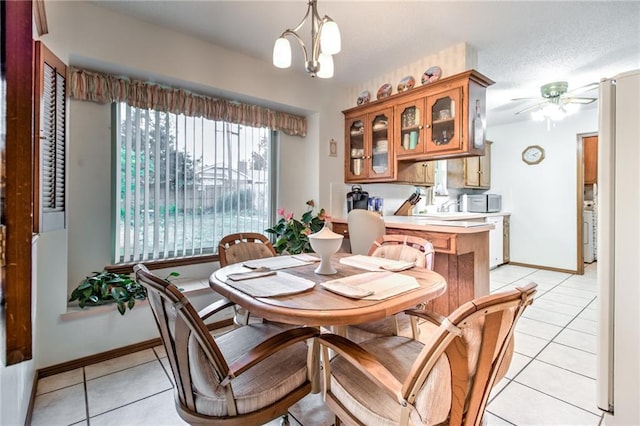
column 484, row 203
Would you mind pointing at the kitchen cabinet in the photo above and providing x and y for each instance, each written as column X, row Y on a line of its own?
column 431, row 126
column 369, row 152
column 496, row 241
column 443, row 119
column 506, row 239
column 470, row 172
column 416, row 173
column 590, row 151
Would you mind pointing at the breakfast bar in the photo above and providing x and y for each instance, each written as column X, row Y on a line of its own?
column 462, row 254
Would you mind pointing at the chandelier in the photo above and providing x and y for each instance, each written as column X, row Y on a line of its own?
column 325, row 41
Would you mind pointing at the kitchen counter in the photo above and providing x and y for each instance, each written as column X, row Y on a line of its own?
column 456, row 216
column 462, row 253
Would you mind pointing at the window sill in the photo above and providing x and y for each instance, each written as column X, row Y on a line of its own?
column 191, row 287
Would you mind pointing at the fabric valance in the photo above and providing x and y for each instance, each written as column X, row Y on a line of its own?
column 106, row 88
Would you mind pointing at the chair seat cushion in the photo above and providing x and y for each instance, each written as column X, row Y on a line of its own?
column 371, row 405
column 258, row 387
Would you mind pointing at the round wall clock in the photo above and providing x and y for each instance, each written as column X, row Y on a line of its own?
column 533, row 154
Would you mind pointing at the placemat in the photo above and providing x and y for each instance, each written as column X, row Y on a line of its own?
column 371, row 263
column 277, row 284
column 372, row 285
column 276, row 262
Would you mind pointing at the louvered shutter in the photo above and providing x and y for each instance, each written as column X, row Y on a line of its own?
column 50, row 199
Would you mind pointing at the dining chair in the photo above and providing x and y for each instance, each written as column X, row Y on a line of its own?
column 240, row 247
column 406, row 248
column 395, row 380
column 249, row 375
column 364, row 227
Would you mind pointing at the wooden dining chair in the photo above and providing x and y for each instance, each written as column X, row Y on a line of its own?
column 240, row 247
column 406, row 248
column 395, row 380
column 364, row 227
column 249, row 375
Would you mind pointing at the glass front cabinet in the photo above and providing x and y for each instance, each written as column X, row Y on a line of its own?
column 439, row 120
column 369, row 147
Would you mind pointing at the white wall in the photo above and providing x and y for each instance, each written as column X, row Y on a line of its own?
column 541, row 197
column 85, row 35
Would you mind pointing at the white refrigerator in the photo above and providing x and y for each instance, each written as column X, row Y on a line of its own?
column 618, row 351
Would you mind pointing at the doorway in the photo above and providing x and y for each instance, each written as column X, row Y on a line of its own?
column 586, row 194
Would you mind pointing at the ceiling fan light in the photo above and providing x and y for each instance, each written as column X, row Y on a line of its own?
column 537, row 115
column 330, row 42
column 326, row 66
column 571, row 108
column 282, row 53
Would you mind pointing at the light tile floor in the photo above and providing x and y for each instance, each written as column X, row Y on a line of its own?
column 551, row 379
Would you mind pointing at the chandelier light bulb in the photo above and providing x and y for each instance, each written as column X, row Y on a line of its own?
column 326, row 66
column 282, row 53
column 330, row 42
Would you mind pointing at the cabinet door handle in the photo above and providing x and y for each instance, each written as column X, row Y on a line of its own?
column 427, row 125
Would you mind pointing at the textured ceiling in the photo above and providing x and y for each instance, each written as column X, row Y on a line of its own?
column 520, row 45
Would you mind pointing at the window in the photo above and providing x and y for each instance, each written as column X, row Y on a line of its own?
column 185, row 182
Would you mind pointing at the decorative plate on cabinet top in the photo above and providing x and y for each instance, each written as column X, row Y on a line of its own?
column 384, row 91
column 406, row 83
column 431, row 75
column 364, row 97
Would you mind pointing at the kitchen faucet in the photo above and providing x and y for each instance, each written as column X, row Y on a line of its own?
column 444, row 207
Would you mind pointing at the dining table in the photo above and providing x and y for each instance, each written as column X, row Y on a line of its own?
column 287, row 289
column 315, row 305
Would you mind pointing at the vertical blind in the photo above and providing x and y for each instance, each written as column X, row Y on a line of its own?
column 182, row 183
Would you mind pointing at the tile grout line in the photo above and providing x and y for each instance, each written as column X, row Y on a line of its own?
column 503, row 419
column 86, row 397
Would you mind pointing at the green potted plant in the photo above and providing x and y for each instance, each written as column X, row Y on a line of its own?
column 108, row 287
column 292, row 235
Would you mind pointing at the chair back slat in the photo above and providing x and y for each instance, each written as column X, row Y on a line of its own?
column 239, row 247
column 406, row 248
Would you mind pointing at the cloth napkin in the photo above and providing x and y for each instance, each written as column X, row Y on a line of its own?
column 256, row 273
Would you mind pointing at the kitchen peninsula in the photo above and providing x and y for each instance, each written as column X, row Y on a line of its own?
column 462, row 254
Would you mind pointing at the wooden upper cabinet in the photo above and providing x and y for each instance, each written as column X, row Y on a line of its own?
column 369, row 150
column 470, row 172
column 590, row 159
column 444, row 119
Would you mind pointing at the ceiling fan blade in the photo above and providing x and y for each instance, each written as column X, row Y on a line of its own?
column 582, row 89
column 528, row 99
column 529, row 108
column 579, row 100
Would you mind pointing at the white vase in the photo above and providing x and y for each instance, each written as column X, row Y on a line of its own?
column 325, row 243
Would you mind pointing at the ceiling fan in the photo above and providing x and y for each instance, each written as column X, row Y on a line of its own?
column 556, row 101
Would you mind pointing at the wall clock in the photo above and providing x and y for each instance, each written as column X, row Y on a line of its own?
column 533, row 154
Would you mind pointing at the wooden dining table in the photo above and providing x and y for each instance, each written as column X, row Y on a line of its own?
column 321, row 307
